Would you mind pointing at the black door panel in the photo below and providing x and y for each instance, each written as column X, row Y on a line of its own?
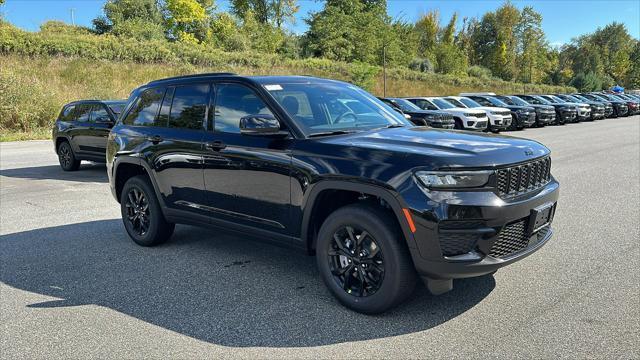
column 246, row 177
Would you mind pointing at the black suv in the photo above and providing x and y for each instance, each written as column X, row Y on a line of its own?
column 433, row 118
column 564, row 112
column 545, row 114
column 324, row 166
column 81, row 130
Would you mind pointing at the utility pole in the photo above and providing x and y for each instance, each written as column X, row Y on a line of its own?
column 73, row 18
column 384, row 71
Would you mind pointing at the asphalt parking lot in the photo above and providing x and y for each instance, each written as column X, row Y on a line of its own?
column 73, row 285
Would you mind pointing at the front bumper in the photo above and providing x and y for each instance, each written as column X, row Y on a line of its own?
column 584, row 115
column 567, row 115
column 546, row 117
column 499, row 122
column 479, row 223
column 526, row 119
column 442, row 125
column 477, row 124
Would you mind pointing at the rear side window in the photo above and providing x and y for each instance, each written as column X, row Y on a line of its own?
column 189, row 106
column 146, row 108
column 67, row 113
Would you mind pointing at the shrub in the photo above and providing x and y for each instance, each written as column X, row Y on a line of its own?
column 479, row 72
column 422, row 65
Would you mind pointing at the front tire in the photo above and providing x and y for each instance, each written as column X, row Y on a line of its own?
column 141, row 213
column 67, row 158
column 363, row 259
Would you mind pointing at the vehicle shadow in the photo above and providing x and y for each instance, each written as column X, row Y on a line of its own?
column 215, row 287
column 88, row 172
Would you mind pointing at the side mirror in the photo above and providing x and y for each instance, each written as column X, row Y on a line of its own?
column 261, row 125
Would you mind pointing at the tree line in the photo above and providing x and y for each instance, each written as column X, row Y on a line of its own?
column 508, row 43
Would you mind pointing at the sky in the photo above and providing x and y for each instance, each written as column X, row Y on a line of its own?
column 562, row 19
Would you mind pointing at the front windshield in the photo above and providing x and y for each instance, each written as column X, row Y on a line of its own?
column 573, row 98
column 555, row 99
column 443, row 104
column 456, row 103
column 333, row 107
column 516, row 100
column 470, row 103
column 545, row 100
column 406, row 105
column 497, row 102
column 506, row 100
column 580, row 97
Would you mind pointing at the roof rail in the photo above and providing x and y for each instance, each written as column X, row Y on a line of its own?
column 194, row 75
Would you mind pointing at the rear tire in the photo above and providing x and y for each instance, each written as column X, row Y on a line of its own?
column 370, row 270
column 67, row 158
column 141, row 213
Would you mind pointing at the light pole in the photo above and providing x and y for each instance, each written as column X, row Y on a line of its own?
column 384, row 71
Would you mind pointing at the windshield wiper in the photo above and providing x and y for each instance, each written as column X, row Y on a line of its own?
column 394, row 126
column 336, row 132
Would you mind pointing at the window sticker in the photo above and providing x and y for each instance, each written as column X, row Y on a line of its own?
column 273, row 87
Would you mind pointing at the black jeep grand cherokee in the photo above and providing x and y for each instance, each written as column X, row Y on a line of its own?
column 325, row 166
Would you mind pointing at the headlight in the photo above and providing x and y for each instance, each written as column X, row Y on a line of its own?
column 521, row 111
column 407, row 116
column 494, row 112
column 453, row 179
column 469, row 114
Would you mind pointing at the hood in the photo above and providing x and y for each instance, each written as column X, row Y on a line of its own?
column 440, row 149
column 543, row 107
column 459, row 110
column 494, row 108
column 520, row 107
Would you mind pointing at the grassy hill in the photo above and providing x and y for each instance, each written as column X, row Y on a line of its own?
column 40, row 72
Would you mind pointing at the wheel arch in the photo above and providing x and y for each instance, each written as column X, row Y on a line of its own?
column 125, row 167
column 314, row 200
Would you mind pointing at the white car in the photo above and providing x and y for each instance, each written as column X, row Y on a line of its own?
column 465, row 118
column 499, row 118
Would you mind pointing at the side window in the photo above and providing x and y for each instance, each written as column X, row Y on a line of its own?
column 67, row 113
column 233, row 102
column 189, row 106
column 100, row 114
column 146, row 108
column 165, row 109
column 81, row 112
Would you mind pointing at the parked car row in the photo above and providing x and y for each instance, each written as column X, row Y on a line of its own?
column 325, row 167
column 495, row 113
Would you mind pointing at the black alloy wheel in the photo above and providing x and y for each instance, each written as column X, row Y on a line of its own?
column 138, row 213
column 356, row 261
column 141, row 213
column 67, row 159
column 363, row 258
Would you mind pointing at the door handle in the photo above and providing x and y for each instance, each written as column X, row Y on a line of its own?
column 154, row 139
column 215, row 145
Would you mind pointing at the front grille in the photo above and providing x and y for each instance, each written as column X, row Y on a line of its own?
column 457, row 243
column 524, row 178
column 511, row 239
column 479, row 115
